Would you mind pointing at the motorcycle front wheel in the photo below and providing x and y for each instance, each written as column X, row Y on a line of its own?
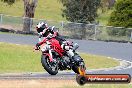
column 51, row 68
column 79, row 63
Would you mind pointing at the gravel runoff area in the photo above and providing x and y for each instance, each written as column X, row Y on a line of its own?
column 37, row 83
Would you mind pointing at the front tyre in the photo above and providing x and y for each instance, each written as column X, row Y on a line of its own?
column 78, row 63
column 48, row 66
column 75, row 69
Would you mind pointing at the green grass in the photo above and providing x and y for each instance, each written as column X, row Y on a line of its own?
column 47, row 10
column 96, row 62
column 16, row 58
column 21, row 58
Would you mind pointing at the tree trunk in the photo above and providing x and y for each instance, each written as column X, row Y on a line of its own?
column 29, row 10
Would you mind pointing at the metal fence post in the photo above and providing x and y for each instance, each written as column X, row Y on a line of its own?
column 95, row 32
column 31, row 22
column 62, row 24
column 1, row 18
column 131, row 36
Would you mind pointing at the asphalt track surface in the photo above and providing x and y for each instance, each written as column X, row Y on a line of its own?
column 121, row 51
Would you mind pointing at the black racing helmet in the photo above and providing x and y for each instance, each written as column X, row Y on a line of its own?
column 41, row 26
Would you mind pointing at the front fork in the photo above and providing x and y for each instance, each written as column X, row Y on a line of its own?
column 51, row 56
column 80, row 64
column 47, row 47
column 81, row 70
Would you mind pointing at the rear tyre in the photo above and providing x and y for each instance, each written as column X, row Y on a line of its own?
column 47, row 65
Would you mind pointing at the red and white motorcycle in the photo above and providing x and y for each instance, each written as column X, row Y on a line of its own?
column 54, row 58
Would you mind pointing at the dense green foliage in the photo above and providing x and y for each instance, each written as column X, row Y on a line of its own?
column 10, row 2
column 106, row 5
column 122, row 15
column 82, row 11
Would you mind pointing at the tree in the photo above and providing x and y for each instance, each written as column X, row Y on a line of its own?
column 82, row 11
column 106, row 4
column 111, row 3
column 29, row 10
column 122, row 15
column 9, row 2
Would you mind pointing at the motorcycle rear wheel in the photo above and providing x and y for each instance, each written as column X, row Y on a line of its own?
column 46, row 65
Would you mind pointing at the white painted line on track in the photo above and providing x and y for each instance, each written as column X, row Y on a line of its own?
column 123, row 65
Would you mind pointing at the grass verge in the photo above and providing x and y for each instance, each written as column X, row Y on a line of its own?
column 21, row 58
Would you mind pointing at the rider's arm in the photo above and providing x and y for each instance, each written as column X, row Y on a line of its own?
column 40, row 36
column 40, row 43
column 43, row 41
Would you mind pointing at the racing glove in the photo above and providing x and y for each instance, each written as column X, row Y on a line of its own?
column 37, row 46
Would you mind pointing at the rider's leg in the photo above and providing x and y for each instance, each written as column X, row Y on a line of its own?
column 67, row 48
column 70, row 52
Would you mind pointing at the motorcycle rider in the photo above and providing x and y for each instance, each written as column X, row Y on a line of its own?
column 50, row 32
